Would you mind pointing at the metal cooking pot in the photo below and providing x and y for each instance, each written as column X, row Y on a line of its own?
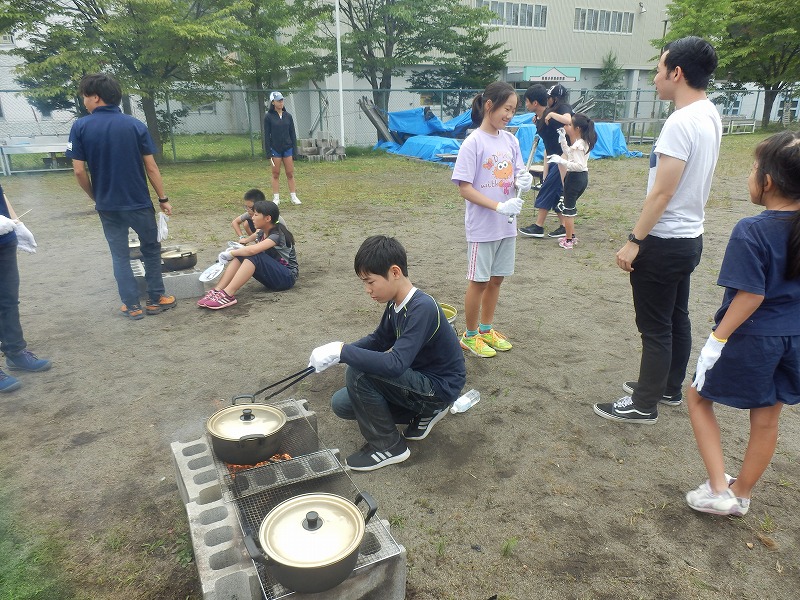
column 246, row 434
column 311, row 542
column 178, row 258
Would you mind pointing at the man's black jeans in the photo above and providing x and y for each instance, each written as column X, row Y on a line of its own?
column 660, row 284
column 11, row 340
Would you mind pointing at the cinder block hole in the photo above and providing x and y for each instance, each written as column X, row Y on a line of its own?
column 209, row 494
column 205, row 477
column 200, row 462
column 370, row 544
column 219, row 535
column 194, row 449
column 212, row 515
column 290, row 411
column 319, row 464
column 264, row 477
column 293, row 470
column 224, row 559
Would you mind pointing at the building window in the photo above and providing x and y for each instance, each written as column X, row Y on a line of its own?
column 2, row 116
column 203, row 109
column 732, row 108
column 603, row 21
column 7, row 39
column 516, row 14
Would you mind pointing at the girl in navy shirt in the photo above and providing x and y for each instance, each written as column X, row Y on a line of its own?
column 752, row 358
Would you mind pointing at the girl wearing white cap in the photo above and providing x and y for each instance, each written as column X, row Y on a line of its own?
column 280, row 140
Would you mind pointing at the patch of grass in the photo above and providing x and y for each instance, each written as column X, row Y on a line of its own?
column 441, row 546
column 397, row 521
column 29, row 561
column 508, row 546
column 767, row 524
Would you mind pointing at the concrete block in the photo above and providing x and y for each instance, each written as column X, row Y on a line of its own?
column 181, row 284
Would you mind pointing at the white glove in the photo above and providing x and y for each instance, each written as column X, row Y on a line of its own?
column 325, row 356
column 523, row 182
column 225, row 257
column 25, row 241
column 556, row 159
column 707, row 359
column 510, row 207
column 562, row 135
column 6, row 225
column 163, row 230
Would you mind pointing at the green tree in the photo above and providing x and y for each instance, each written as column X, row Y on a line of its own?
column 480, row 64
column 154, row 47
column 758, row 41
column 277, row 39
column 384, row 37
column 611, row 75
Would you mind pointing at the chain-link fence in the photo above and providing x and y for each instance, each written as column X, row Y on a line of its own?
column 228, row 125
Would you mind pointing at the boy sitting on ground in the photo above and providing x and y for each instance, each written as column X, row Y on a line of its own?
column 409, row 370
column 243, row 224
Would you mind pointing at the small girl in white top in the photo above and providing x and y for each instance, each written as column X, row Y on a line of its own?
column 579, row 128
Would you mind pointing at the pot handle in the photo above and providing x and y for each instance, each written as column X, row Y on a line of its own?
column 187, row 254
column 250, row 397
column 372, row 506
column 252, row 436
column 254, row 551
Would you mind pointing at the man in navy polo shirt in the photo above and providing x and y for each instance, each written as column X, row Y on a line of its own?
column 119, row 152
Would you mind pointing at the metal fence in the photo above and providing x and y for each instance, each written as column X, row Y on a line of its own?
column 228, row 126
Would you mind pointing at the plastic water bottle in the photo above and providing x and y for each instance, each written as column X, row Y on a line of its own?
column 465, row 402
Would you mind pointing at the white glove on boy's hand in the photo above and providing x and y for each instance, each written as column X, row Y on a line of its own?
column 325, row 356
column 510, row 207
column 25, row 241
column 225, row 257
column 523, row 182
column 707, row 359
column 556, row 159
column 6, row 225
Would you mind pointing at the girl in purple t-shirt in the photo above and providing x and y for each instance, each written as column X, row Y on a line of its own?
column 752, row 358
column 487, row 171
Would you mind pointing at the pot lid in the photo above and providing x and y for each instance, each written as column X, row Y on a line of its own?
column 240, row 420
column 312, row 530
column 178, row 251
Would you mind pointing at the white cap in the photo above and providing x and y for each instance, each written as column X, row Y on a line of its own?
column 275, row 96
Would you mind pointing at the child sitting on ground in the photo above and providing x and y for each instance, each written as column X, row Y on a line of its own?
column 409, row 370
column 271, row 260
column 243, row 225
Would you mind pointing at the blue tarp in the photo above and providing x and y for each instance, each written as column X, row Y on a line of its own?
column 431, row 137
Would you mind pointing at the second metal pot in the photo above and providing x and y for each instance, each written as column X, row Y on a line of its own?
column 311, row 542
column 179, row 258
column 246, row 434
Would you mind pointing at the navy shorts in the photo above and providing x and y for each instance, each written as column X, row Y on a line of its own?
column 282, row 154
column 270, row 273
column 755, row 371
column 551, row 191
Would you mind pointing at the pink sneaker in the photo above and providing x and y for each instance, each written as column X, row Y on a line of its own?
column 209, row 295
column 565, row 243
column 220, row 300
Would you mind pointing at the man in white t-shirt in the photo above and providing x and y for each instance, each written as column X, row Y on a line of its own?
column 666, row 243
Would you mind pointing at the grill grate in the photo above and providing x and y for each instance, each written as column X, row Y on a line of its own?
column 314, row 469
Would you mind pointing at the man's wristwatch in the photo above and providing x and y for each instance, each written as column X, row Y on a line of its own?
column 632, row 238
column 163, row 200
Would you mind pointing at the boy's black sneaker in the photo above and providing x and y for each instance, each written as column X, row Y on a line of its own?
column 675, row 400
column 558, row 233
column 421, row 426
column 369, row 459
column 532, row 231
column 624, row 410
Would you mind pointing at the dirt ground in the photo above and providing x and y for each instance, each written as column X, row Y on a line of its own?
column 529, row 495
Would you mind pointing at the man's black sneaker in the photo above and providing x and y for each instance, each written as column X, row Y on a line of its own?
column 558, row 233
column 532, row 230
column 624, row 410
column 420, row 426
column 675, row 400
column 369, row 459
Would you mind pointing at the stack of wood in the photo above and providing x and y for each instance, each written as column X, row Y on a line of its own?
column 319, row 148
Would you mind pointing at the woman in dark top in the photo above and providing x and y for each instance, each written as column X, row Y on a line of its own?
column 280, row 140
